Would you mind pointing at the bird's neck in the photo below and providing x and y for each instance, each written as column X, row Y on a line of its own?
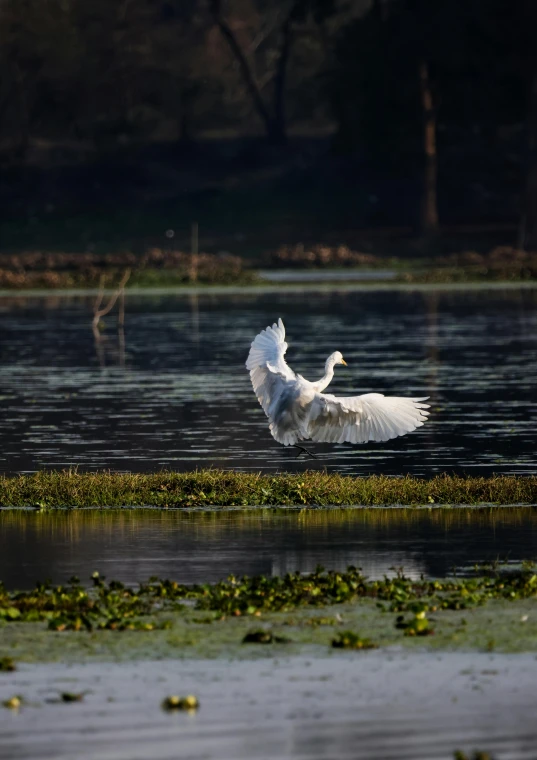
column 325, row 381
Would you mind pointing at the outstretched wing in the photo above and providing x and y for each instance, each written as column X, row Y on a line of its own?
column 358, row 419
column 269, row 372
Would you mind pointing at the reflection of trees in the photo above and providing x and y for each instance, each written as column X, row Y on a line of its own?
column 196, row 547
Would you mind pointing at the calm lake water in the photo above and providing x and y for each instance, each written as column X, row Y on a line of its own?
column 197, row 547
column 334, row 706
column 171, row 390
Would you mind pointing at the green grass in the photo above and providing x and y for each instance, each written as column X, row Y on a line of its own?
column 221, row 488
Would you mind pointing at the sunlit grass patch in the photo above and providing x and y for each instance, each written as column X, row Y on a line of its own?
column 222, row 488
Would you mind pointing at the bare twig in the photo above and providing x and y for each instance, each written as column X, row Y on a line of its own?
column 100, row 294
column 121, row 315
column 102, row 312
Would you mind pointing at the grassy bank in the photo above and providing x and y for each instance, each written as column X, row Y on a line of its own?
column 221, row 488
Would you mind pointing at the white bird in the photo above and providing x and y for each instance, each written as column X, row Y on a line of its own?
column 298, row 410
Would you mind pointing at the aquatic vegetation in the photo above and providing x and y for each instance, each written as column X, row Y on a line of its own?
column 72, row 696
column 69, row 489
column 13, row 703
column 477, row 755
column 248, row 595
column 174, row 702
column 150, row 607
column 351, row 640
column 400, row 594
column 7, row 665
column 418, row 624
column 264, row 637
column 316, row 621
column 71, row 607
column 258, row 637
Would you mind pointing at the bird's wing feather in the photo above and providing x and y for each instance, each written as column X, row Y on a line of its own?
column 269, row 372
column 358, row 419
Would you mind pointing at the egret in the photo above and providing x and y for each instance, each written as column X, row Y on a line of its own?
column 298, row 410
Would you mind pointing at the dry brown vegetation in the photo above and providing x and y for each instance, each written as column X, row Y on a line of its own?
column 38, row 269
column 323, row 256
column 158, row 266
column 502, row 263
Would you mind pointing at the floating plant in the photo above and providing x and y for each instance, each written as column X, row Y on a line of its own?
column 174, row 702
column 116, row 607
column 264, row 637
column 351, row 640
column 13, row 703
column 7, row 665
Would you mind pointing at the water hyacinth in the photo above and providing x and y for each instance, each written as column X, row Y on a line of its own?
column 116, row 607
column 264, row 637
column 72, row 607
column 13, row 703
column 351, row 640
column 174, row 702
column 72, row 696
column 7, row 665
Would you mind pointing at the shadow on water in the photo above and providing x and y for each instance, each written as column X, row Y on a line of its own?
column 195, row 547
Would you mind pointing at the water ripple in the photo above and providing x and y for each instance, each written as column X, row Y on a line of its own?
column 172, row 391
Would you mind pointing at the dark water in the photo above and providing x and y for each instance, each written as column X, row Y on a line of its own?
column 132, row 545
column 172, row 391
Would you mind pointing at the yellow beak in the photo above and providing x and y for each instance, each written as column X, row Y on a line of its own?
column 344, row 362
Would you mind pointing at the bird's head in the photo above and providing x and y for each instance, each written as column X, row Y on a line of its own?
column 337, row 358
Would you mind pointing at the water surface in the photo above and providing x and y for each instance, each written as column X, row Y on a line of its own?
column 197, row 547
column 349, row 706
column 171, row 391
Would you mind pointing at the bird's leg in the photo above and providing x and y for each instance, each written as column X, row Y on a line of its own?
column 302, row 449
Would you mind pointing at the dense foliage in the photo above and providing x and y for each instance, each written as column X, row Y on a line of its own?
column 436, row 99
column 104, row 71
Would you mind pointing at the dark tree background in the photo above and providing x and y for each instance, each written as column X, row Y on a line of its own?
column 423, row 113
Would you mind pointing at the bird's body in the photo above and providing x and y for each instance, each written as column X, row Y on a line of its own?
column 298, row 410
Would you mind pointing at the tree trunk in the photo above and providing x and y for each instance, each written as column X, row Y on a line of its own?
column 528, row 232
column 279, row 83
column 378, row 10
column 274, row 126
column 429, row 205
column 185, row 99
column 23, row 142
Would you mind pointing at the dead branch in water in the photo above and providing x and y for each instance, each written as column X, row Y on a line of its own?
column 99, row 312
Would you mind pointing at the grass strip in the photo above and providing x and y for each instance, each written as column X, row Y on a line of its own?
column 223, row 488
